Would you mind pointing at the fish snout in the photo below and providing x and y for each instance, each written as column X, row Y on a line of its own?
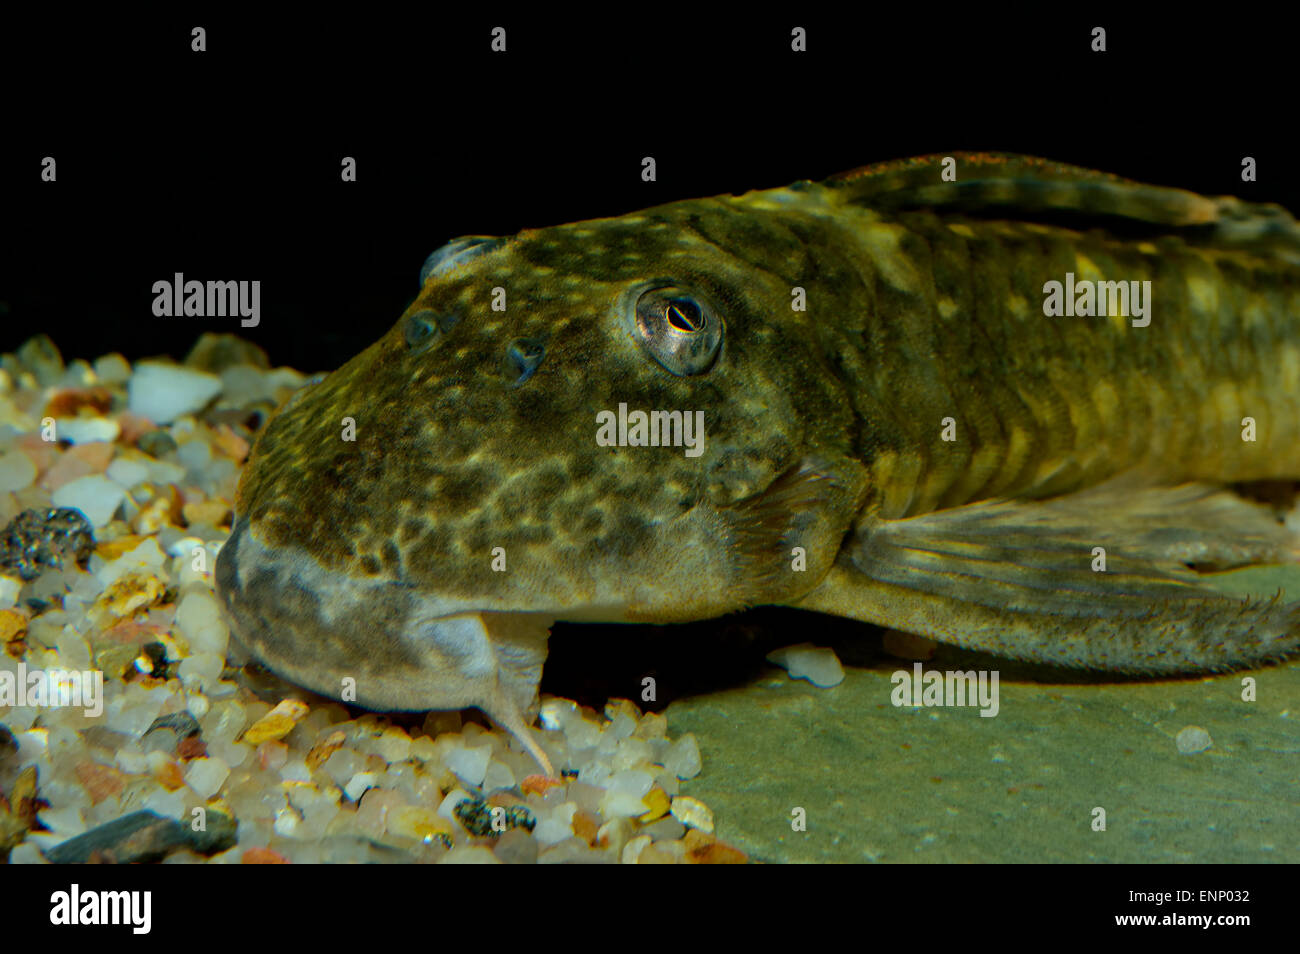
column 381, row 644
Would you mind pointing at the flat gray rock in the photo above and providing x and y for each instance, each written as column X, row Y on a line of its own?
column 889, row 784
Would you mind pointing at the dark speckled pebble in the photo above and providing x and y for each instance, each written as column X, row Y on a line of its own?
column 142, row 837
column 39, row 540
column 156, row 444
column 476, row 815
column 182, row 723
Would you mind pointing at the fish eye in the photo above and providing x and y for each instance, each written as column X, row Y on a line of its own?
column 678, row 328
column 457, row 252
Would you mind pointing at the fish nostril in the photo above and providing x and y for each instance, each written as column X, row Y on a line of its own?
column 425, row 327
column 523, row 357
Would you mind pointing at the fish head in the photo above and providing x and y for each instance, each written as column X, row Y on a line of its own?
column 616, row 420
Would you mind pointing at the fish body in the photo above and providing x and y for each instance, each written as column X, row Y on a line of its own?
column 915, row 411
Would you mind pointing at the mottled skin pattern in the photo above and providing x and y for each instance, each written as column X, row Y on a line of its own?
column 450, row 461
column 823, row 426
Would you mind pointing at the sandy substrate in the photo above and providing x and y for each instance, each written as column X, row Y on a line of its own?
column 229, row 765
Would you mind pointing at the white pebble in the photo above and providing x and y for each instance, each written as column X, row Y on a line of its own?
column 27, row 854
column 818, row 665
column 206, row 776
column 668, row 782
column 594, row 772
column 621, row 726
column 557, row 826
column 10, row 587
column 16, row 471
column 557, row 713
column 195, row 455
column 607, row 744
column 184, row 547
column 470, row 765
column 146, row 556
column 95, row 496
column 199, row 619
column 693, row 813
column 163, row 392
column 316, row 816
column 469, row 855
column 32, row 745
column 497, row 776
column 1193, row 739
column 394, row 745
column 286, row 822
column 201, row 671
column 581, row 734
column 133, row 712
column 358, row 784
column 683, row 758
column 225, row 722
column 112, row 369
column 631, row 752
column 18, row 718
column 632, row 850
column 614, row 834
column 64, row 822
column 619, row 804
column 446, row 808
column 128, row 471
column 165, row 472
column 76, row 375
column 168, row 804
column 667, row 828
column 87, row 430
column 243, row 384
column 131, row 762
column 342, row 765
column 233, row 754
column 295, row 770
column 632, row 781
column 73, row 651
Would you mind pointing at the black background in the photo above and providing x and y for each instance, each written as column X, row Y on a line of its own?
column 225, row 164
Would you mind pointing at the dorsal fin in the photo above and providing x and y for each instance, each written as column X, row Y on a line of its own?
column 1026, row 187
column 993, row 180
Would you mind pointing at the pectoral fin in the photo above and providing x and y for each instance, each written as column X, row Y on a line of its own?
column 1026, row 579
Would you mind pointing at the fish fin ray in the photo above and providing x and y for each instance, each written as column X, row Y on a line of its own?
column 1030, row 188
column 1016, row 579
column 1024, row 184
column 813, row 499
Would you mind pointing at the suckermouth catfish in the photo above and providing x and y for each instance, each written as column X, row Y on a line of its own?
column 904, row 422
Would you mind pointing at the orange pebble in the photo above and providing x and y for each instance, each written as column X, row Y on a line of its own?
column 170, row 777
column 539, row 784
column 230, row 443
column 704, row 849
column 134, row 427
column 262, row 856
column 66, row 402
column 99, row 781
column 586, row 826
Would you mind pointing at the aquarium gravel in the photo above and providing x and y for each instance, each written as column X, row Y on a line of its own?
column 193, row 757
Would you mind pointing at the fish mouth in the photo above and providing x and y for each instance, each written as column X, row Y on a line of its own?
column 380, row 645
column 317, row 627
